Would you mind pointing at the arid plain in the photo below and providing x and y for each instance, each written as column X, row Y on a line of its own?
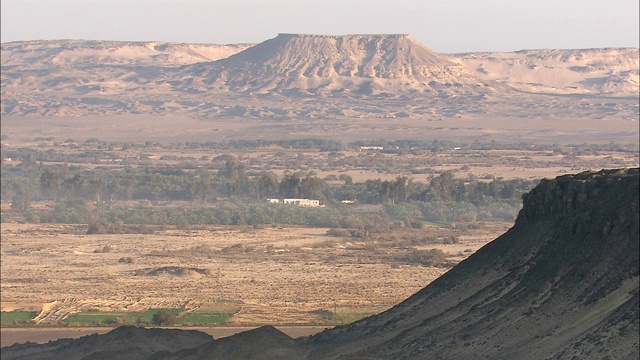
column 286, row 277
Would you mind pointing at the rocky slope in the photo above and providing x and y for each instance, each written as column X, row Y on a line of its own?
column 266, row 342
column 562, row 283
column 125, row 343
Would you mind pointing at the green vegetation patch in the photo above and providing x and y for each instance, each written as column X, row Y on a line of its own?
column 443, row 224
column 176, row 316
column 204, row 318
column 147, row 316
column 9, row 318
column 101, row 318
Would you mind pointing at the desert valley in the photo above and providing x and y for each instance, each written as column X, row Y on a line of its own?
column 142, row 179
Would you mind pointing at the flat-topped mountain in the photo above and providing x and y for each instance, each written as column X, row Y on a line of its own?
column 328, row 82
column 562, row 283
column 317, row 63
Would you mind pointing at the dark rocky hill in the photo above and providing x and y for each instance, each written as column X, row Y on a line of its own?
column 563, row 283
column 263, row 343
column 123, row 343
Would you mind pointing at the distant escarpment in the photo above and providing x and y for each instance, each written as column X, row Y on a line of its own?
column 562, row 283
column 78, row 54
column 607, row 71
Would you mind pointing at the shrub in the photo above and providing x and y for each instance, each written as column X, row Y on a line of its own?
column 105, row 249
column 98, row 227
column 434, row 257
column 451, row 240
column 164, row 317
column 32, row 218
column 338, row 232
column 127, row 260
column 416, row 224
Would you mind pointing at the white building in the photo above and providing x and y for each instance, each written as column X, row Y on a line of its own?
column 298, row 202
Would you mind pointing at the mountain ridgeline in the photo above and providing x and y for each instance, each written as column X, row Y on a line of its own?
column 562, row 283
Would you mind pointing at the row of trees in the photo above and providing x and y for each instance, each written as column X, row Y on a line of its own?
column 231, row 181
column 122, row 218
column 95, row 148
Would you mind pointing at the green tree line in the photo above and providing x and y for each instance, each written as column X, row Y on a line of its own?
column 61, row 182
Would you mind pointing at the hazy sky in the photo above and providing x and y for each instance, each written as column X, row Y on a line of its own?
column 441, row 25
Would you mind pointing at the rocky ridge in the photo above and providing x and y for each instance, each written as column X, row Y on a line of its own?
column 126, row 343
column 74, row 54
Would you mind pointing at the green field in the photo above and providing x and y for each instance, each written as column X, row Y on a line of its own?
column 147, row 315
column 146, row 318
column 10, row 318
column 202, row 318
column 444, row 224
column 100, row 318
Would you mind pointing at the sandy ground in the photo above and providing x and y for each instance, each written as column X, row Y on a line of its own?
column 284, row 280
column 179, row 128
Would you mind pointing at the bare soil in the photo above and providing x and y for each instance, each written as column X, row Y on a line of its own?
column 284, row 280
column 501, row 127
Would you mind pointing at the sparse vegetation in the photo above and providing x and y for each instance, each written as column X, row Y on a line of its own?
column 343, row 317
column 432, row 257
